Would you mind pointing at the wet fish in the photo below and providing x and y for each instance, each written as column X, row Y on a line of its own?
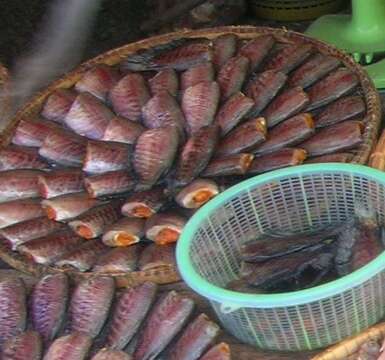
column 144, row 204
column 48, row 304
column 98, row 81
column 154, row 154
column 109, row 183
column 60, row 182
column 313, row 70
column 218, row 352
column 232, row 75
column 88, row 116
column 277, row 159
column 92, row 223
column 237, row 164
column 242, row 286
column 164, row 228
column 154, row 256
column 256, row 50
column 103, row 156
column 122, row 130
column 13, row 312
column 74, row 346
column 196, row 74
column 47, row 249
column 120, row 259
column 90, row 304
column 68, row 206
column 58, row 104
column 24, row 231
column 230, row 114
column 26, row 345
column 339, row 137
column 197, row 193
column 287, row 104
column 124, row 232
column 337, row 157
column 165, row 320
column 19, row 210
column 243, row 138
column 332, row 87
column 224, row 48
column 17, row 157
column 18, row 184
column 107, row 354
column 130, row 311
column 129, row 95
column 164, row 80
column 340, row 110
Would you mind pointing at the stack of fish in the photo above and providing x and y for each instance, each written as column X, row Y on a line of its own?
column 93, row 321
column 130, row 152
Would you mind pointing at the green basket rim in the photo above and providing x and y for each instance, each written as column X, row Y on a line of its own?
column 233, row 300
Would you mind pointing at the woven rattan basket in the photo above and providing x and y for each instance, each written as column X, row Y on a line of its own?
column 113, row 57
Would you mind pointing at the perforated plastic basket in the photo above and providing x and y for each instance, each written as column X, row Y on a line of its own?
column 297, row 199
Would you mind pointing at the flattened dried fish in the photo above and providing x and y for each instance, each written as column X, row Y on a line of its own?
column 107, row 354
column 125, row 232
column 109, row 183
column 154, row 256
column 256, row 50
column 337, row 157
column 26, row 345
column 224, row 48
column 20, row 210
column 218, row 352
column 18, row 157
column 120, row 259
column 122, row 130
column 197, row 193
column 197, row 74
column 237, row 164
column 58, row 104
column 164, row 80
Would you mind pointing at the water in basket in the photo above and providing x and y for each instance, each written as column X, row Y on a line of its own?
column 293, row 199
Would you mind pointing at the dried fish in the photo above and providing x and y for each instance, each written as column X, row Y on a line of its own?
column 370, row 350
column 58, row 104
column 197, row 74
column 256, row 50
column 18, row 157
column 197, row 193
column 337, row 157
column 164, row 80
column 120, row 259
column 224, row 48
column 122, row 130
column 125, row 232
column 154, row 256
column 237, row 164
column 106, row 354
column 26, row 345
column 19, row 210
column 218, row 352
column 109, row 183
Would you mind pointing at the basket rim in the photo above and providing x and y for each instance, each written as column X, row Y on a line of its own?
column 232, row 300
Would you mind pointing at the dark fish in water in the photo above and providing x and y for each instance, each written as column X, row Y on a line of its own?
column 164, row 228
column 224, row 47
column 20, row 210
column 18, row 184
column 107, row 354
column 109, row 183
column 124, row 232
column 288, row 133
column 243, row 138
column 339, row 137
column 164, row 80
column 256, row 50
column 64, row 148
column 90, row 304
column 121, row 259
column 289, row 58
column 199, row 105
column 58, row 104
column 195, row 75
column 332, row 87
column 263, row 88
column 165, row 320
column 195, row 339
column 48, row 304
column 130, row 310
column 277, row 159
column 197, row 193
column 26, row 345
column 122, row 130
column 287, row 104
column 154, row 154
column 154, row 256
column 340, row 110
column 232, row 75
column 24, row 231
column 74, row 346
column 242, row 286
column 129, row 95
column 144, row 204
column 218, row 352
column 47, row 249
column 68, row 206
column 60, row 182
column 13, row 312
column 17, row 157
column 98, row 81
column 196, row 154
column 103, row 156
column 313, row 70
column 92, row 223
column 83, row 257
column 230, row 114
column 337, row 157
column 237, row 164
column 88, row 116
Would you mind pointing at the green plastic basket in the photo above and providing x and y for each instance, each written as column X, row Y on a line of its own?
column 297, row 199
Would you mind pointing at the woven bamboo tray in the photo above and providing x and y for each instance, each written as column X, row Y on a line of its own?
column 113, row 57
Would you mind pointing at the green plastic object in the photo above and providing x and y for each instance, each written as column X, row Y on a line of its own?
column 362, row 34
column 299, row 198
